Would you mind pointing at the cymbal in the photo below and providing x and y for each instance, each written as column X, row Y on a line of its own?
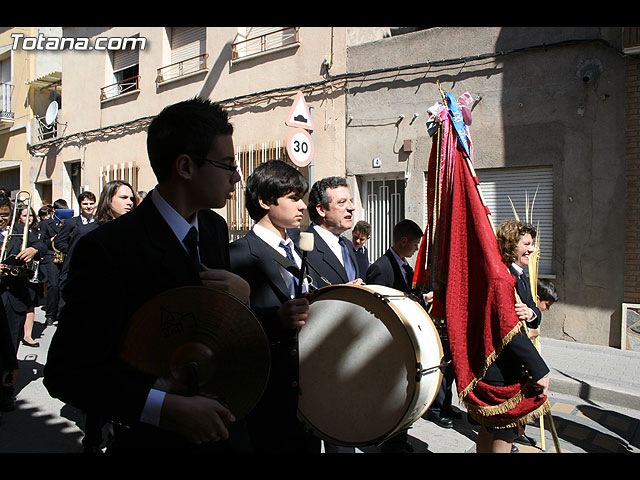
column 198, row 340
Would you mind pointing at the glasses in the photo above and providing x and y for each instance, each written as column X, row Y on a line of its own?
column 225, row 166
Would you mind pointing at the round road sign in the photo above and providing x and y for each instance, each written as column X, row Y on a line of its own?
column 300, row 147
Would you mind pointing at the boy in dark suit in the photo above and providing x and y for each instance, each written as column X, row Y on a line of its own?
column 360, row 234
column 131, row 260
column 87, row 202
column 274, row 201
column 393, row 270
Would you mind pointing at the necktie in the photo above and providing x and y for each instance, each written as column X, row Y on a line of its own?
column 348, row 263
column 191, row 242
column 408, row 274
column 287, row 249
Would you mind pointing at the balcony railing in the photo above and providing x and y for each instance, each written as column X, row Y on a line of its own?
column 6, row 112
column 183, row 68
column 272, row 41
column 116, row 89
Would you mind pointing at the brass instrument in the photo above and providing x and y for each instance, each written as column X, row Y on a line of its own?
column 16, row 268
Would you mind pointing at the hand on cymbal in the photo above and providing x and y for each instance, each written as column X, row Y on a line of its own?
column 227, row 282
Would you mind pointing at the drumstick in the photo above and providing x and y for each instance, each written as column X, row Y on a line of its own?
column 306, row 245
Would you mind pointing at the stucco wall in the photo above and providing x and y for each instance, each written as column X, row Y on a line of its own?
column 535, row 109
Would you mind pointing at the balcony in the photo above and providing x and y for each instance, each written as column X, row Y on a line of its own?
column 271, row 42
column 6, row 112
column 183, row 69
column 124, row 87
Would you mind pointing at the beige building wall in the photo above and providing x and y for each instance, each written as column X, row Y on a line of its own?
column 258, row 93
column 13, row 132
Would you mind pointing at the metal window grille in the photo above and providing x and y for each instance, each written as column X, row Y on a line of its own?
column 127, row 171
column 248, row 157
column 383, row 201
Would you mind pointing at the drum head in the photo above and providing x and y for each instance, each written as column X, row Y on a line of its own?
column 357, row 367
column 202, row 331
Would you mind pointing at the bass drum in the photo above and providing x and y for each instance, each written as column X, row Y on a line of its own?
column 369, row 364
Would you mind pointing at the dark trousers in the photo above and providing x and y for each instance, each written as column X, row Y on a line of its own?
column 442, row 403
column 52, row 272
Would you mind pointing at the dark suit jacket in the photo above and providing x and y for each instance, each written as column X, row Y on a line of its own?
column 17, row 287
column 64, row 237
column 524, row 291
column 49, row 228
column 519, row 358
column 362, row 257
column 386, row 271
column 325, row 267
column 114, row 270
column 273, row 423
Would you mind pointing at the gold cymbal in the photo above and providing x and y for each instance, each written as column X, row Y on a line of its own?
column 198, row 340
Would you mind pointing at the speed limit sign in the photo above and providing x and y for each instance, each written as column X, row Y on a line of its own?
column 300, row 147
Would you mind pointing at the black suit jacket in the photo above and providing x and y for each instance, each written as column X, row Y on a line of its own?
column 114, row 270
column 64, row 237
column 273, row 424
column 386, row 271
column 524, row 292
column 520, row 357
column 324, row 267
column 17, row 287
column 49, row 228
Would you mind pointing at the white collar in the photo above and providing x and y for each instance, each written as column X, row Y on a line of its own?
column 178, row 224
column 518, row 268
column 401, row 261
column 269, row 237
column 331, row 238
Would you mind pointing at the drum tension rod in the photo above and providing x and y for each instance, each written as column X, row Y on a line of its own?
column 385, row 298
column 422, row 372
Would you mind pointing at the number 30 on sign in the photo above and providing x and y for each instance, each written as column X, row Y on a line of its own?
column 300, row 147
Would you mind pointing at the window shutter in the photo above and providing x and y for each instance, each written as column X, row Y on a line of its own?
column 187, row 42
column 501, row 184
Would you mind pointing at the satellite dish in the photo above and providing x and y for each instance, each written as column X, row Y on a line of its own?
column 52, row 113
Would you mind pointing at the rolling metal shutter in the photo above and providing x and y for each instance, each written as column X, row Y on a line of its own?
column 501, row 184
column 187, row 42
column 124, row 59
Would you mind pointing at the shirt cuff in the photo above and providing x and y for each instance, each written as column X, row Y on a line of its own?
column 152, row 407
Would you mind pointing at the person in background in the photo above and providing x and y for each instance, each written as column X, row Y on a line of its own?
column 360, row 234
column 33, row 283
column 52, row 262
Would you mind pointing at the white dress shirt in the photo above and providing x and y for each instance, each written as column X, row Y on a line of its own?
column 332, row 240
column 273, row 240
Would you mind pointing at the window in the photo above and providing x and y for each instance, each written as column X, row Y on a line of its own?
column 126, row 77
column 248, row 157
column 188, row 53
column 383, row 203
column 6, row 89
column 501, row 186
column 255, row 41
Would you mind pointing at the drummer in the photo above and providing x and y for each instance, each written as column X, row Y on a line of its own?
column 274, row 199
column 135, row 258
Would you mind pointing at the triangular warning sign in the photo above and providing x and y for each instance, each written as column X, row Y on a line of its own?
column 299, row 115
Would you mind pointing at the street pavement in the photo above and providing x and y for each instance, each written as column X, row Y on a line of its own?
column 594, row 397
